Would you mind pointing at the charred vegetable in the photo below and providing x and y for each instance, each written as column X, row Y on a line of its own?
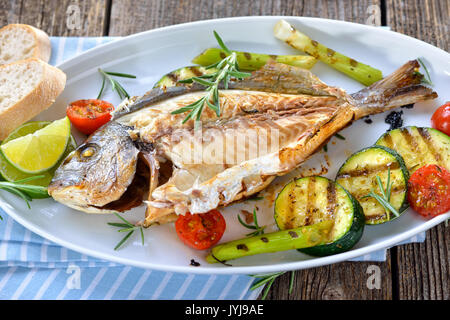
column 361, row 72
column 171, row 79
column 312, row 200
column 377, row 177
column 253, row 61
column 418, row 146
column 303, row 237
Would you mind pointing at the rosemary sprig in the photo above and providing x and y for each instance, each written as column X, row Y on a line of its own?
column 227, row 68
column 385, row 197
column 269, row 280
column 258, row 230
column 126, row 227
column 426, row 79
column 115, row 85
column 27, row 192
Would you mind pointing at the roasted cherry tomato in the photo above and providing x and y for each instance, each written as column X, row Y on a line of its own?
column 90, row 114
column 200, row 231
column 441, row 119
column 429, row 190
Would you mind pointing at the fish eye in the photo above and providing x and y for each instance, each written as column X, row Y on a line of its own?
column 87, row 152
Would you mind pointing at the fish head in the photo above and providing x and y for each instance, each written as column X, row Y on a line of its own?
column 96, row 177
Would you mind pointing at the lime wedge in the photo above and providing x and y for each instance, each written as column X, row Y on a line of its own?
column 10, row 173
column 26, row 128
column 39, row 151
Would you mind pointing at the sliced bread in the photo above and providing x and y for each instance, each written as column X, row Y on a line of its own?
column 21, row 41
column 27, row 87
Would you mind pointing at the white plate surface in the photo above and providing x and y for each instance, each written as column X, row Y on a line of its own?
column 151, row 54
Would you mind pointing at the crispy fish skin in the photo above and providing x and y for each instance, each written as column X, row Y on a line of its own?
column 304, row 111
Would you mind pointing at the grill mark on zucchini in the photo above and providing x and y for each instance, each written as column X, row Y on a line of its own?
column 331, row 197
column 290, row 214
column 359, row 195
column 412, row 143
column 388, row 141
column 310, row 201
column 368, row 171
column 428, row 140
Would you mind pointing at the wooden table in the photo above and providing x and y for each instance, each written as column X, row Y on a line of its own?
column 412, row 271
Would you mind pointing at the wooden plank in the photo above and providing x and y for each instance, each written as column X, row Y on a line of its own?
column 341, row 281
column 128, row 17
column 422, row 269
column 59, row 18
column 426, row 20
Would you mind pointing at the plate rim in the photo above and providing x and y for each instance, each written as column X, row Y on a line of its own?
column 284, row 266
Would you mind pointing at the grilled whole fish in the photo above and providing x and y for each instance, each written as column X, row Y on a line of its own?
column 270, row 124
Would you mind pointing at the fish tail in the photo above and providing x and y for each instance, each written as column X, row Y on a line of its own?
column 400, row 88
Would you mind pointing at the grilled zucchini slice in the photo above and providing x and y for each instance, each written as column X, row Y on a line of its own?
column 418, row 146
column 359, row 176
column 310, row 200
column 171, row 79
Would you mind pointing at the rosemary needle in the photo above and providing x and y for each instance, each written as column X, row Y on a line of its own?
column 128, row 227
column 115, row 85
column 385, row 198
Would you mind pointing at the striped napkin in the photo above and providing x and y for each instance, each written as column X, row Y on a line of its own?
column 32, row 267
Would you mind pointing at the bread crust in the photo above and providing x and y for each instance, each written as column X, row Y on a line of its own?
column 42, row 48
column 50, row 86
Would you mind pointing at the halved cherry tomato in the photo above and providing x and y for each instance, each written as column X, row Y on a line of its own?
column 441, row 119
column 429, row 190
column 90, row 114
column 200, row 231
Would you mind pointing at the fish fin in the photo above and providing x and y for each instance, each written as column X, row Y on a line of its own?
column 400, row 88
column 282, row 78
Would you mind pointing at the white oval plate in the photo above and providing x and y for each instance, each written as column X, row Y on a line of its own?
column 151, row 54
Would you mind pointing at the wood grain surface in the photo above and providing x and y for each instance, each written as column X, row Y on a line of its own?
column 412, row 271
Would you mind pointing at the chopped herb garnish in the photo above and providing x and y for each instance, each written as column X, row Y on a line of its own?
column 126, row 227
column 115, row 85
column 227, row 68
column 255, row 226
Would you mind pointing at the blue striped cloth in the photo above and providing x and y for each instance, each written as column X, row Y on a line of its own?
column 32, row 267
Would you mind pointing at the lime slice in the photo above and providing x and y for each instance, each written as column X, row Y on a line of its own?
column 39, row 151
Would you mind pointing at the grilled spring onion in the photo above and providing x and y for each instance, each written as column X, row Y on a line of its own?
column 171, row 79
column 253, row 61
column 361, row 72
column 418, row 146
column 311, row 200
column 302, row 237
column 377, row 177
